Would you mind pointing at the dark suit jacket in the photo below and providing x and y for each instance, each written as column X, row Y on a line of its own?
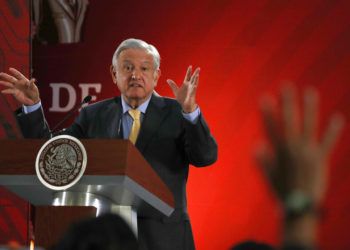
column 167, row 141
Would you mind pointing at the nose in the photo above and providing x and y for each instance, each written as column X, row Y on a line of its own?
column 136, row 74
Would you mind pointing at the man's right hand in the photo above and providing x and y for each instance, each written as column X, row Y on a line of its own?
column 23, row 90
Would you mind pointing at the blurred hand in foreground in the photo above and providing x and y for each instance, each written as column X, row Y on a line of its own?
column 297, row 160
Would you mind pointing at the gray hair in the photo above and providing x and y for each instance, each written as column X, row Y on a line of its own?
column 137, row 44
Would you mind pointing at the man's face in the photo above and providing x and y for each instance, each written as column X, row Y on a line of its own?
column 135, row 75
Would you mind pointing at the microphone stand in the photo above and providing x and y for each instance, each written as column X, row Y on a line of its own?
column 53, row 132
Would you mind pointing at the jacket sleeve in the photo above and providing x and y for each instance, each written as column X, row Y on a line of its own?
column 33, row 125
column 200, row 146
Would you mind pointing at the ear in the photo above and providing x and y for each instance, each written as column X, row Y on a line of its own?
column 157, row 74
column 113, row 74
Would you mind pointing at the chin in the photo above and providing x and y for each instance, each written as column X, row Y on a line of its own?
column 136, row 98
column 137, row 94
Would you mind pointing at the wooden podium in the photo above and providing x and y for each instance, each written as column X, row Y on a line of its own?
column 117, row 179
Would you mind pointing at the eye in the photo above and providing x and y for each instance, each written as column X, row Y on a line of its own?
column 145, row 69
column 128, row 67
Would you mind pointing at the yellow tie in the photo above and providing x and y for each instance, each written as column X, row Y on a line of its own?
column 135, row 129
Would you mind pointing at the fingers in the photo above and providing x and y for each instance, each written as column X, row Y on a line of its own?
column 191, row 78
column 31, row 83
column 310, row 114
column 189, row 85
column 17, row 74
column 16, row 80
column 194, row 85
column 332, row 133
column 15, row 77
column 269, row 120
column 9, row 91
column 195, row 76
column 8, row 77
column 289, row 112
column 173, row 86
column 188, row 74
column 6, row 84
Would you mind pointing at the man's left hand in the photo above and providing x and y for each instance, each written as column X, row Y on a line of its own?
column 186, row 93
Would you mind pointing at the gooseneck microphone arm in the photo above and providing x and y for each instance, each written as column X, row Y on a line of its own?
column 54, row 131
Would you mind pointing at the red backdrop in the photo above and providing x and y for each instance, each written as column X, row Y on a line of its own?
column 244, row 48
column 14, row 51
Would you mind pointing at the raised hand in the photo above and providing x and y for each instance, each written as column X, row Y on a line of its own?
column 298, row 160
column 24, row 91
column 186, row 93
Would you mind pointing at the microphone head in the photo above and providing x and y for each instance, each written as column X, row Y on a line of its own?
column 87, row 99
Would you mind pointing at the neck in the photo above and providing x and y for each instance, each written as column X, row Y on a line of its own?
column 133, row 102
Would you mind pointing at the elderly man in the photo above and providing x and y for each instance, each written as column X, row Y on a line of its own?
column 170, row 134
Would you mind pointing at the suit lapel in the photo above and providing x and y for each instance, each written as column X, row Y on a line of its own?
column 112, row 117
column 156, row 111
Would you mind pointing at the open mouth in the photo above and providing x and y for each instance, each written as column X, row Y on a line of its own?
column 135, row 85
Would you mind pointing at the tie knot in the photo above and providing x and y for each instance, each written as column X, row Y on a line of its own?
column 135, row 114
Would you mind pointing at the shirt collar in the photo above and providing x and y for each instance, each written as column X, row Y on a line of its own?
column 142, row 107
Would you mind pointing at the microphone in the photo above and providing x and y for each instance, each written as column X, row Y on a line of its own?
column 120, row 126
column 53, row 132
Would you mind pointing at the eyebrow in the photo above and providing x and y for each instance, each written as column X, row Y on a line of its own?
column 128, row 61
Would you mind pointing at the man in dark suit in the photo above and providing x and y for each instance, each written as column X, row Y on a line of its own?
column 172, row 133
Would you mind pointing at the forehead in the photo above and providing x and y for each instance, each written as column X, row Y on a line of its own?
column 136, row 55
